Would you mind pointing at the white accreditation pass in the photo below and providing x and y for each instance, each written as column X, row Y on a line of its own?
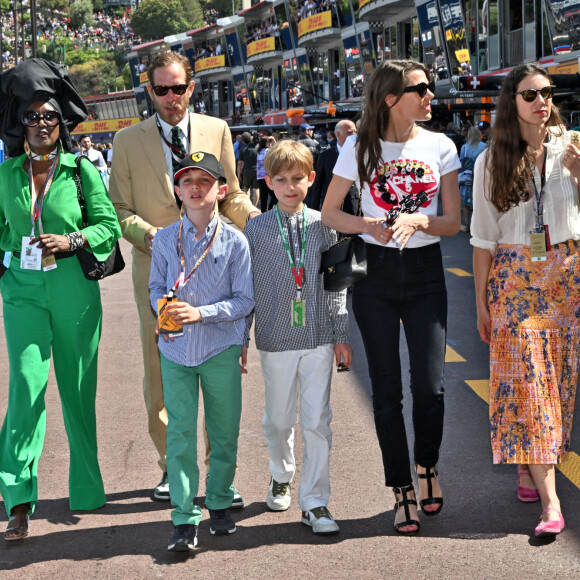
column 31, row 255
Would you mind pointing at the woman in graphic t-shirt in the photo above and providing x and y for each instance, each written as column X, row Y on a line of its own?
column 401, row 169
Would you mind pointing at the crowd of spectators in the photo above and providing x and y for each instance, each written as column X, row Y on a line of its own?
column 262, row 30
column 312, row 7
column 210, row 16
column 208, row 50
column 109, row 32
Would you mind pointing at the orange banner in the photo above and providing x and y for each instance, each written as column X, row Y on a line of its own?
column 362, row 3
column 211, row 62
column 109, row 126
column 259, row 46
column 565, row 68
column 316, row 22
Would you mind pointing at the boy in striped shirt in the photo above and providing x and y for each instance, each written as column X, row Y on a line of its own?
column 201, row 278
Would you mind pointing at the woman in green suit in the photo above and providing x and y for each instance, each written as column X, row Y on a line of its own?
column 49, row 306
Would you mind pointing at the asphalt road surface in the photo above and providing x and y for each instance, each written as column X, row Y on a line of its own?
column 482, row 531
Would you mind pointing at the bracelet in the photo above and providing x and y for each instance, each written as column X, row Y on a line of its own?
column 76, row 241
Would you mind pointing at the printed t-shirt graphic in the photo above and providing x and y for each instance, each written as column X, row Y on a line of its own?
column 402, row 179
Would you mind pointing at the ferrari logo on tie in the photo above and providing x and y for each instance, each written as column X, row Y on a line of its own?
column 197, row 157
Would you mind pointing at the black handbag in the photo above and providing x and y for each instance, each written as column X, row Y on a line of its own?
column 344, row 264
column 92, row 268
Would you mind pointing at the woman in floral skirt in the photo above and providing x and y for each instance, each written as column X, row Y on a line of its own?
column 526, row 232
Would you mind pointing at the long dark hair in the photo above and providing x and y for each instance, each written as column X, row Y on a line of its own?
column 510, row 160
column 389, row 78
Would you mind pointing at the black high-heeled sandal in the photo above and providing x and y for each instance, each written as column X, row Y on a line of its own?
column 405, row 503
column 429, row 474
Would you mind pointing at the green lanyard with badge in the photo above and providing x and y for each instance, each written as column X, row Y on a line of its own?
column 298, row 303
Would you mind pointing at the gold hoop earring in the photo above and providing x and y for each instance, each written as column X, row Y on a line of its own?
column 26, row 147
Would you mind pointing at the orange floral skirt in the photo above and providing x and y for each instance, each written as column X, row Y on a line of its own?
column 534, row 352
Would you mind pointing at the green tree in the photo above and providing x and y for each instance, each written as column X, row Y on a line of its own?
column 155, row 19
column 5, row 5
column 193, row 13
column 95, row 77
column 81, row 12
column 127, row 80
column 54, row 5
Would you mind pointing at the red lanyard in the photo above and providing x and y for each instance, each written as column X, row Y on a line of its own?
column 36, row 203
column 182, row 280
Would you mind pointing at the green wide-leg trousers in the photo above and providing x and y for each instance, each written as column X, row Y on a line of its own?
column 58, row 311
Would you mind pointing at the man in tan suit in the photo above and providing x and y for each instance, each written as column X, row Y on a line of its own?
column 141, row 188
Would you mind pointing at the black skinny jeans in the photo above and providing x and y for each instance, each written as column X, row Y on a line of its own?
column 407, row 286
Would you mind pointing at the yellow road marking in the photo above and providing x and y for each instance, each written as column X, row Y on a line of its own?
column 481, row 388
column 570, row 465
column 458, row 272
column 452, row 356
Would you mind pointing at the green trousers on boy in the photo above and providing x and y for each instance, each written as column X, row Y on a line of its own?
column 56, row 312
column 221, row 385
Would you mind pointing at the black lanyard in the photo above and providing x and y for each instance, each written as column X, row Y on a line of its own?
column 539, row 196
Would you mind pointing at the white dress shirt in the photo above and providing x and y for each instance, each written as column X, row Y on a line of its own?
column 166, row 127
column 490, row 227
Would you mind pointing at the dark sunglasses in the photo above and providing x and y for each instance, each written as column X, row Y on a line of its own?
column 162, row 90
column 32, row 118
column 530, row 95
column 421, row 89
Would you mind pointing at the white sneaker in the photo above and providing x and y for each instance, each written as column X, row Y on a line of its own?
column 278, row 498
column 161, row 492
column 320, row 520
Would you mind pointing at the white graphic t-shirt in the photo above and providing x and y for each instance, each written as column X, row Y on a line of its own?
column 408, row 175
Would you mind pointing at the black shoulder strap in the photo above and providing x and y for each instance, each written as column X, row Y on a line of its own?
column 79, row 184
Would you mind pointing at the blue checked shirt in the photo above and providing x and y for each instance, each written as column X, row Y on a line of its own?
column 221, row 288
column 275, row 288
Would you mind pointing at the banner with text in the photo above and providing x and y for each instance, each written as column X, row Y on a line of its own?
column 263, row 45
column 316, row 22
column 109, row 126
column 210, row 62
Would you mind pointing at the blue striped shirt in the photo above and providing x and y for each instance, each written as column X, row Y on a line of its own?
column 221, row 288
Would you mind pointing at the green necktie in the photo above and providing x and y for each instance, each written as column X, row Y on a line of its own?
column 177, row 153
column 177, row 142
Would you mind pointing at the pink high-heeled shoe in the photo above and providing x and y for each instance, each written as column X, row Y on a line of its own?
column 526, row 494
column 551, row 527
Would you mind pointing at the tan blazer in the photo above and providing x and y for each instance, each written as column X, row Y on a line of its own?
column 141, row 189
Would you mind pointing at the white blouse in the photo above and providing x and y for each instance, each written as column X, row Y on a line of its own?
column 490, row 227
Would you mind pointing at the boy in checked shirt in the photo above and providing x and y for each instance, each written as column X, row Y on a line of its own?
column 300, row 329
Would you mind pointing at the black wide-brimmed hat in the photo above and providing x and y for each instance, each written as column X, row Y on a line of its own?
column 33, row 80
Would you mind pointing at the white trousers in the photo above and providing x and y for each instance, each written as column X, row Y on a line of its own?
column 287, row 374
